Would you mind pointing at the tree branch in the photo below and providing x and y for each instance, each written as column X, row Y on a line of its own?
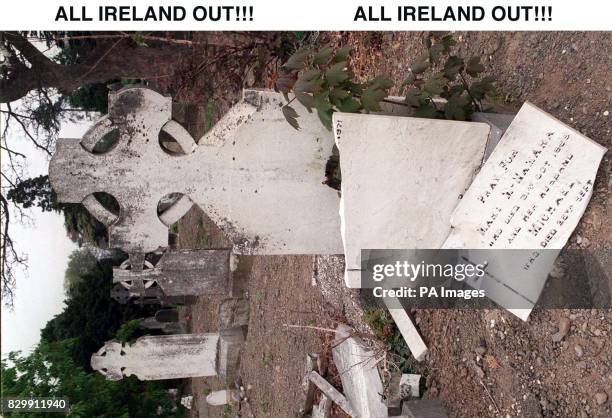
column 25, row 129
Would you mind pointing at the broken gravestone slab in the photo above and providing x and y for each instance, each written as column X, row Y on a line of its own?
column 177, row 273
column 253, row 174
column 357, row 367
column 530, row 194
column 178, row 356
column 401, row 179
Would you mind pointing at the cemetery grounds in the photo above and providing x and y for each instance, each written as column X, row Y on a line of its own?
column 480, row 363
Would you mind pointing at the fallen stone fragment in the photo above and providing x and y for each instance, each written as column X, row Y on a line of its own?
column 357, row 367
column 409, row 332
column 410, row 385
column 333, row 394
column 323, row 409
column 401, row 387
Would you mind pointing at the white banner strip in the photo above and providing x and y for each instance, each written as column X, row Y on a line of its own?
column 406, row 15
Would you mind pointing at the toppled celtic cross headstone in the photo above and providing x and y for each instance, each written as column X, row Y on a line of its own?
column 171, row 356
column 255, row 176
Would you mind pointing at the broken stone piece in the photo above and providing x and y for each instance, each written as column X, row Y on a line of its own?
column 402, row 177
column 411, row 335
column 410, row 385
column 219, row 397
column 333, row 394
column 357, row 367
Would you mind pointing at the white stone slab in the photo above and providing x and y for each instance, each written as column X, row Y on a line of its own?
column 159, row 357
column 401, row 179
column 411, row 335
column 219, row 397
column 530, row 194
column 357, row 367
column 257, row 178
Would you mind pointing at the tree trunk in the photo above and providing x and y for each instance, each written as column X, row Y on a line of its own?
column 118, row 59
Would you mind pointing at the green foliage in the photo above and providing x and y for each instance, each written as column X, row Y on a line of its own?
column 129, row 331
column 91, row 317
column 439, row 73
column 320, row 79
column 49, row 371
column 37, row 192
column 90, row 97
column 59, row 365
column 384, row 328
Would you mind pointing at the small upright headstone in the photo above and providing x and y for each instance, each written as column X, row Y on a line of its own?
column 167, row 315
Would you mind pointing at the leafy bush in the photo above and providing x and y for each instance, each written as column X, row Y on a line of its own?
column 321, row 80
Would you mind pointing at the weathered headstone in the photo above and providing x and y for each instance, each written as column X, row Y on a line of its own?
column 167, row 315
column 530, row 194
column 159, row 357
column 399, row 189
column 166, row 320
column 165, row 327
column 256, row 177
column 171, row 357
column 152, row 295
column 178, row 273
